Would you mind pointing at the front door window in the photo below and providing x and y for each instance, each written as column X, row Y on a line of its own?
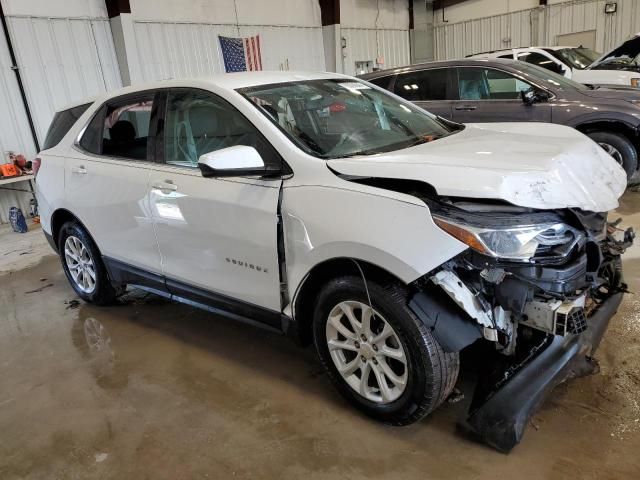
column 489, row 84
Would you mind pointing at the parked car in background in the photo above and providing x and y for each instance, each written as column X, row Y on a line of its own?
column 500, row 90
column 617, row 67
column 322, row 207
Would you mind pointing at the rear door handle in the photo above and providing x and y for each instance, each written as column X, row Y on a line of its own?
column 79, row 170
column 466, row 108
column 166, row 186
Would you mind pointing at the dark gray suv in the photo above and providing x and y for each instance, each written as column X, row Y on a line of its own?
column 510, row 91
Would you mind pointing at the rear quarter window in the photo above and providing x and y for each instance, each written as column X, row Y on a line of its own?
column 62, row 123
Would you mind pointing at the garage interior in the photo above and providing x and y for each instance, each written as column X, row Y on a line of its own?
column 150, row 388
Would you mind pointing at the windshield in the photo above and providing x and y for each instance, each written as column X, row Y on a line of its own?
column 342, row 117
column 579, row 58
column 549, row 79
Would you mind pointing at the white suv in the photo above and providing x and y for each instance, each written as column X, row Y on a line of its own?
column 326, row 208
column 617, row 67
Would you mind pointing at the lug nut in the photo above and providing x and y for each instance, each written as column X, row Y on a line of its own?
column 363, row 337
column 375, row 361
column 363, row 359
column 375, row 348
column 357, row 344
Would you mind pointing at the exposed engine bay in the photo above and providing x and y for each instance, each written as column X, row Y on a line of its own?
column 568, row 264
column 560, row 268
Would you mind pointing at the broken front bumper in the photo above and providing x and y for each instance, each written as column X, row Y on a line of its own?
column 501, row 420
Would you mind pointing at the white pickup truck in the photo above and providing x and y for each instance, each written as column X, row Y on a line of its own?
column 618, row 67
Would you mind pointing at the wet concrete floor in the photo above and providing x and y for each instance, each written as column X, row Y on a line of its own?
column 151, row 389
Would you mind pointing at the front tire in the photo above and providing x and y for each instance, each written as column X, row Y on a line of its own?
column 620, row 148
column 83, row 265
column 382, row 360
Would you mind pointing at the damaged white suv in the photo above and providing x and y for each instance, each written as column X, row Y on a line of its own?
column 326, row 208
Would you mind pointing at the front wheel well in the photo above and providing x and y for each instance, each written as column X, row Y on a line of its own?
column 305, row 299
column 613, row 126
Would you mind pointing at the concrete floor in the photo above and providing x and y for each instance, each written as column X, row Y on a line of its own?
column 150, row 389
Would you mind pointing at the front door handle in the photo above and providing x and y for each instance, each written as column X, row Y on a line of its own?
column 166, row 186
column 466, row 108
column 79, row 170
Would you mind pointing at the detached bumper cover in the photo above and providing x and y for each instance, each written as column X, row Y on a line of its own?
column 502, row 419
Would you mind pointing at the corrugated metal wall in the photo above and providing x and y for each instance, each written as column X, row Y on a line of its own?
column 364, row 44
column 174, row 50
column 611, row 29
column 539, row 26
column 62, row 60
column 14, row 129
column 457, row 40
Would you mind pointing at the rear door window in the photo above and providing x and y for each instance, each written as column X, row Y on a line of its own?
column 423, row 85
column 62, row 123
column 121, row 129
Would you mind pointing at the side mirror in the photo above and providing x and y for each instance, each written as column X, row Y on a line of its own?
column 531, row 96
column 237, row 161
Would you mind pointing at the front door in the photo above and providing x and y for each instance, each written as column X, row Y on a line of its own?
column 217, row 236
column 492, row 95
column 106, row 182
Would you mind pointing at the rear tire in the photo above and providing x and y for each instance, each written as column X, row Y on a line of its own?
column 429, row 373
column 620, row 148
column 83, row 265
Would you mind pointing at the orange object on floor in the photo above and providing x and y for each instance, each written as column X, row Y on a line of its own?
column 9, row 170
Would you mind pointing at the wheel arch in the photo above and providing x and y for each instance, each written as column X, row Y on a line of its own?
column 304, row 299
column 613, row 126
column 58, row 219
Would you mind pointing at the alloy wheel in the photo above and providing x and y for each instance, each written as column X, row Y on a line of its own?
column 613, row 151
column 367, row 352
column 80, row 264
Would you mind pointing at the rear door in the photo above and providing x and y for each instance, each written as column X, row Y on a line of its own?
column 430, row 89
column 488, row 94
column 107, row 175
column 217, row 236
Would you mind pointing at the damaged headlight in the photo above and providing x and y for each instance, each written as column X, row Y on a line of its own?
column 520, row 243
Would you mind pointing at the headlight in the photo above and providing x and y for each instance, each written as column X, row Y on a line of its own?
column 635, row 82
column 519, row 243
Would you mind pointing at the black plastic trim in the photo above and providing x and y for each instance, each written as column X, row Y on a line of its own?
column 224, row 304
column 503, row 418
column 123, row 273
column 452, row 329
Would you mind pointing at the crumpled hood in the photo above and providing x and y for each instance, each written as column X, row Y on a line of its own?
column 629, row 48
column 534, row 165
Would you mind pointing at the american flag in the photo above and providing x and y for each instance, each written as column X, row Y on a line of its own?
column 241, row 54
